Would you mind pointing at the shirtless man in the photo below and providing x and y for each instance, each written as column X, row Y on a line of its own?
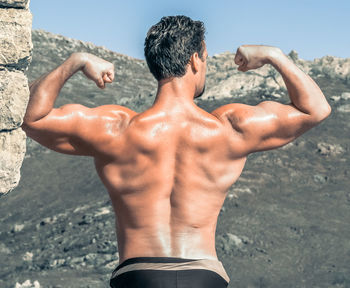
column 168, row 169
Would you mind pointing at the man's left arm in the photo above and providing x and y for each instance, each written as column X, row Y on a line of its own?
column 72, row 128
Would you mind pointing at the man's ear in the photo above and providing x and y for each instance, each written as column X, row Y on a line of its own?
column 194, row 62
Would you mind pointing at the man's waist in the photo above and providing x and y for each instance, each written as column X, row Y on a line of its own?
column 170, row 264
column 197, row 245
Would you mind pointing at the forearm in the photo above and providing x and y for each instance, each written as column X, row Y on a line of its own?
column 44, row 90
column 304, row 93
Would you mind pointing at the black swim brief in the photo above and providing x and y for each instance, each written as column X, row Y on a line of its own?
column 169, row 272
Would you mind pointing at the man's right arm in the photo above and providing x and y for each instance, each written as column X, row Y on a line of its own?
column 270, row 124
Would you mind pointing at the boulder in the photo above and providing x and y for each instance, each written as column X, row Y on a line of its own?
column 13, row 99
column 15, row 56
column 344, row 108
column 327, row 149
column 15, row 38
column 345, row 95
column 12, row 150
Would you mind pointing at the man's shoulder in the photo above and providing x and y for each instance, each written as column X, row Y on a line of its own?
column 105, row 123
column 230, row 110
column 105, row 117
column 113, row 112
column 114, row 108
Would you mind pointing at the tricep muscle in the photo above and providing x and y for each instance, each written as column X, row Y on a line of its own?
column 267, row 125
column 74, row 128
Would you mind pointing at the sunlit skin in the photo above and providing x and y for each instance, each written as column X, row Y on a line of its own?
column 168, row 169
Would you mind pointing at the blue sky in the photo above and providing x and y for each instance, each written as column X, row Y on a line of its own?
column 313, row 28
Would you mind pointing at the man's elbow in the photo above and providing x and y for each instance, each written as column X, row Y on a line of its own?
column 323, row 112
column 29, row 123
column 27, row 127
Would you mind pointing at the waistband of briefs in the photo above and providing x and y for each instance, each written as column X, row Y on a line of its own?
column 207, row 264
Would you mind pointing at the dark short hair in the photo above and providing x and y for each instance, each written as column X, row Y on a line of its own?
column 170, row 44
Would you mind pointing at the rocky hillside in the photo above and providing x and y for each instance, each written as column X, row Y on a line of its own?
column 283, row 224
column 225, row 80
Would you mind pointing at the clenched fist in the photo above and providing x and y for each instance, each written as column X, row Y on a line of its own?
column 249, row 57
column 98, row 70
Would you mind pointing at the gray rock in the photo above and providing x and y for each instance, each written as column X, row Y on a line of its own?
column 15, row 3
column 4, row 250
column 236, row 191
column 12, row 150
column 28, row 284
column 335, row 98
column 17, row 228
column 320, row 179
column 345, row 96
column 15, row 38
column 344, row 108
column 76, row 261
column 13, row 99
column 90, row 258
column 28, row 256
column 327, row 149
column 57, row 263
column 293, row 55
column 231, row 242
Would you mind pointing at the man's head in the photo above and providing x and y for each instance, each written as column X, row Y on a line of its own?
column 170, row 45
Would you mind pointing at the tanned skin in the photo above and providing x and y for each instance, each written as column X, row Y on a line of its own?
column 168, row 169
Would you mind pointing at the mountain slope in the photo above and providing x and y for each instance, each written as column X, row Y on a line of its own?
column 283, row 224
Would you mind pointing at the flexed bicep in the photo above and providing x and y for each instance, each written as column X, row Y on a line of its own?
column 79, row 130
column 60, row 130
column 265, row 126
column 272, row 125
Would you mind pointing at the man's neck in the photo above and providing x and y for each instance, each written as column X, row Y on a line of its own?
column 174, row 93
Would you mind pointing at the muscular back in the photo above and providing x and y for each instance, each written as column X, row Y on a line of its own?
column 167, row 176
column 168, row 169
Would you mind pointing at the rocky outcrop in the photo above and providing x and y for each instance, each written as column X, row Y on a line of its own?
column 13, row 99
column 12, row 152
column 224, row 80
column 15, row 56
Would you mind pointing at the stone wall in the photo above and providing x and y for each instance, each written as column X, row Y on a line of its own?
column 15, row 56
